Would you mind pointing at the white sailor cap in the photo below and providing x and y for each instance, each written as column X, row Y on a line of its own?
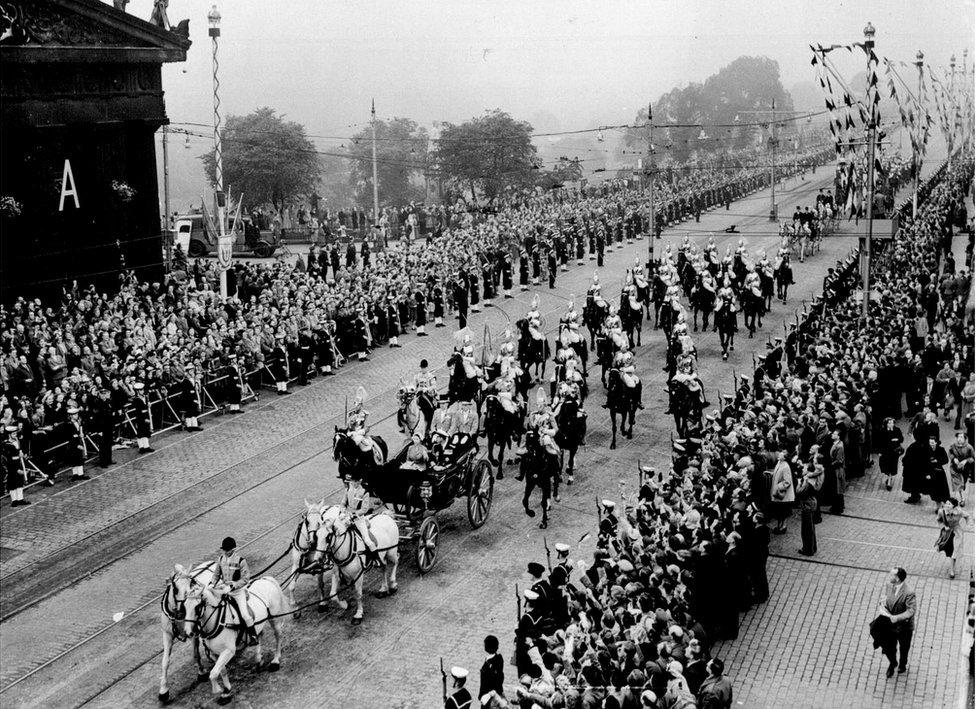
column 138, row 386
column 459, row 673
column 72, row 410
column 530, row 595
column 608, row 504
column 562, row 548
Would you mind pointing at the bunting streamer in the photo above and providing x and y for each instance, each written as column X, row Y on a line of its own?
column 848, row 119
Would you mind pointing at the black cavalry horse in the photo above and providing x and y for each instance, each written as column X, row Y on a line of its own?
column 353, row 460
column 702, row 301
column 571, row 433
column 725, row 323
column 540, row 468
column 502, row 429
column 531, row 352
column 623, row 401
column 460, row 386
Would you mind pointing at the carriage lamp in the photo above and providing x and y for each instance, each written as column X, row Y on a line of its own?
column 425, row 490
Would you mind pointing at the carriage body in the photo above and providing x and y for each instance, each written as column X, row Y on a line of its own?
column 414, row 496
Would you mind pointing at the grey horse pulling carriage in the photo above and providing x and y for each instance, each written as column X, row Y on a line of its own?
column 416, row 490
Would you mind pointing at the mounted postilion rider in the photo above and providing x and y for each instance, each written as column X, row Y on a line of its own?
column 359, row 505
column 231, row 580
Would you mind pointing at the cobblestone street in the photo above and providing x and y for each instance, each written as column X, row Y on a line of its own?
column 81, row 554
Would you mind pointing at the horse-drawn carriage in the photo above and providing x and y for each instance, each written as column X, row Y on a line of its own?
column 416, row 488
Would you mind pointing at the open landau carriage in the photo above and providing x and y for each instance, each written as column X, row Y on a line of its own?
column 414, row 492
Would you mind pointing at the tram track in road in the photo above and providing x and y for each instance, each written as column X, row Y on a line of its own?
column 164, row 530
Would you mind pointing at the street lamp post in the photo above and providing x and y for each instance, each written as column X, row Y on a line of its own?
column 225, row 242
column 872, row 128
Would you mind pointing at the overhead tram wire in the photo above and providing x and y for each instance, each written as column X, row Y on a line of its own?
column 552, row 134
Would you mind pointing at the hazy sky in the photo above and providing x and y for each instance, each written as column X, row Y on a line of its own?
column 561, row 65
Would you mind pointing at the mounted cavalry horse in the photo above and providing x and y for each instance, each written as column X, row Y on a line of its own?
column 338, row 541
column 687, row 398
column 415, row 410
column 631, row 312
column 703, row 298
column 570, row 426
column 173, row 615
column 533, row 347
column 217, row 621
column 783, row 272
column 595, row 311
column 725, row 320
column 623, row 396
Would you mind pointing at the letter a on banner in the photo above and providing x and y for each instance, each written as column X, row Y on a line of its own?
column 67, row 178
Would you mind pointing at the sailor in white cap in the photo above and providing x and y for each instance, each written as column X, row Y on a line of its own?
column 77, row 446
column 562, row 556
column 13, row 464
column 461, row 698
column 143, row 417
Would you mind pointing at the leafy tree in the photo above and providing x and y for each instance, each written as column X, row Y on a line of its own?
column 488, row 153
column 747, row 84
column 401, row 154
column 266, row 158
column 564, row 172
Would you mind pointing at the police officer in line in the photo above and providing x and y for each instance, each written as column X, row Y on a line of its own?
column 461, row 299
column 104, row 417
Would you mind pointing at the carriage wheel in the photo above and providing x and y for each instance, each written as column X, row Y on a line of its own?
column 480, row 492
column 427, row 544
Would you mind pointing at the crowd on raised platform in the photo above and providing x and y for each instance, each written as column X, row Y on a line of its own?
column 99, row 367
column 681, row 559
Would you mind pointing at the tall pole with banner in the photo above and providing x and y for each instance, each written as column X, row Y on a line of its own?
column 225, row 241
column 376, row 189
column 952, row 106
column 167, row 234
column 652, row 217
column 917, row 171
column 872, row 133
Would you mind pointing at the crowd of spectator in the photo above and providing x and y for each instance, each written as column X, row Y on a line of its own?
column 55, row 357
column 636, row 626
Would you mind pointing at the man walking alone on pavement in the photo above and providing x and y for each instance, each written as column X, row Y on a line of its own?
column 898, row 605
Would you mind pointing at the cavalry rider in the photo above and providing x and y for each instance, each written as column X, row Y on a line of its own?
column 425, row 383
column 543, row 421
column 576, row 378
column 710, row 254
column 687, row 376
column 534, row 319
column 234, row 575
column 471, row 369
column 571, row 317
column 640, row 281
column 359, row 504
column 356, row 427
column 629, row 376
column 505, row 389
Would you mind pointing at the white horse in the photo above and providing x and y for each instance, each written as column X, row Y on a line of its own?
column 346, row 550
column 219, row 625
column 172, row 614
column 302, row 550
